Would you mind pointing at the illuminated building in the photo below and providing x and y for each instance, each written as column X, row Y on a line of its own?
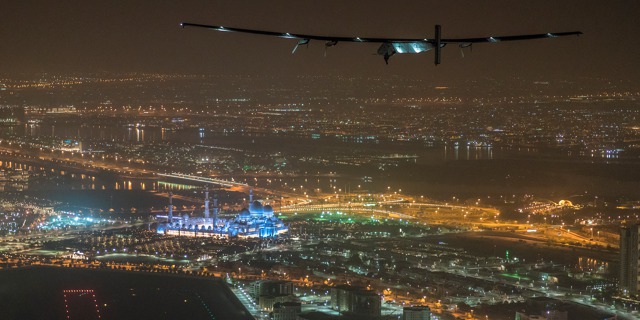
column 11, row 114
column 257, row 221
column 267, row 302
column 629, row 249
column 71, row 145
column 270, row 287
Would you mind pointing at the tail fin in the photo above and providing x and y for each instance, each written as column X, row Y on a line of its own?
column 438, row 44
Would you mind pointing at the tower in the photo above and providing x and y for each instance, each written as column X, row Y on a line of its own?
column 250, row 196
column 206, row 202
column 170, row 215
column 629, row 255
column 215, row 210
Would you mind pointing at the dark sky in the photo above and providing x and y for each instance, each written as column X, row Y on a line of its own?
column 74, row 36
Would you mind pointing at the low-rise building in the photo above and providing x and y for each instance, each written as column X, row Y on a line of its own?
column 416, row 313
column 356, row 301
column 286, row 310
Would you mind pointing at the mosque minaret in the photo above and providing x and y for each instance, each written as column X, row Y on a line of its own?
column 206, row 202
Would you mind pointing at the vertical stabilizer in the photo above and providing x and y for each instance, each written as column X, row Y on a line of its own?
column 438, row 48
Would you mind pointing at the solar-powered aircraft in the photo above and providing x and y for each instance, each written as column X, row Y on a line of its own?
column 389, row 46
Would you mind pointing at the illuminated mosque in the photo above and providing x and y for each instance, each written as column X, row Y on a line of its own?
column 257, row 221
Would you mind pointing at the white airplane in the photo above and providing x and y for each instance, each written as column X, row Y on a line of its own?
column 389, row 46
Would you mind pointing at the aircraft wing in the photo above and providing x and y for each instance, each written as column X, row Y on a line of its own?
column 512, row 38
column 287, row 35
column 390, row 46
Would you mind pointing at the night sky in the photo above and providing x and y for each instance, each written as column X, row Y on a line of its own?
column 74, row 36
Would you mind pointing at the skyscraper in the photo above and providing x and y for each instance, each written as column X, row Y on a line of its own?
column 629, row 254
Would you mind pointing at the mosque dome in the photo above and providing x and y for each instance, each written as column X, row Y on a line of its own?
column 245, row 213
column 255, row 221
column 256, row 207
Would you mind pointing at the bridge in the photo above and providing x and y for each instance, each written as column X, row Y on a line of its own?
column 181, row 176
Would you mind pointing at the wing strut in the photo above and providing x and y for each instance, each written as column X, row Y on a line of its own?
column 302, row 42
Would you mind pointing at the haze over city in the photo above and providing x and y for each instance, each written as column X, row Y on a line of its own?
column 149, row 171
column 144, row 36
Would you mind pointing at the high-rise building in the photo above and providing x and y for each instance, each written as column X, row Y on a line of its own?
column 416, row 313
column 629, row 255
